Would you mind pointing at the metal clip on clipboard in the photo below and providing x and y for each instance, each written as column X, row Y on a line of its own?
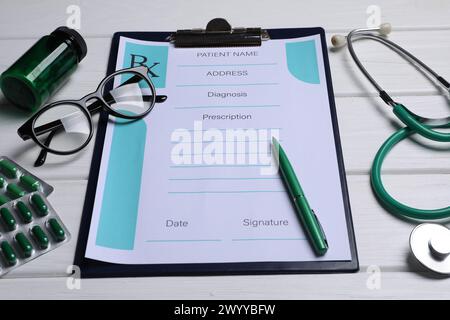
column 219, row 33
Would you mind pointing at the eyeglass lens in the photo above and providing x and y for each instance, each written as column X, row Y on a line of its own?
column 73, row 131
column 132, row 94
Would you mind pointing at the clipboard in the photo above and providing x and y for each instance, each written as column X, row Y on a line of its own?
column 217, row 33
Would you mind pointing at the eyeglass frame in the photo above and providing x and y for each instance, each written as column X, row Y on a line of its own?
column 27, row 130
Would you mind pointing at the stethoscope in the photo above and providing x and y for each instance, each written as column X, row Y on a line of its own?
column 430, row 243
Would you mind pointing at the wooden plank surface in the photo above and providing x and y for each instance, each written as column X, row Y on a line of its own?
column 100, row 18
column 406, row 285
column 417, row 172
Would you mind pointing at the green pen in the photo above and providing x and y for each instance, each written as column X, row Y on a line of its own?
column 306, row 214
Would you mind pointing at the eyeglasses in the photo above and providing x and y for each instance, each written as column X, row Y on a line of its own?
column 65, row 127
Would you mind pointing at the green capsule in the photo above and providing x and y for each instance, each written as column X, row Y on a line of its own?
column 40, row 237
column 8, row 168
column 30, row 183
column 24, row 212
column 40, row 205
column 3, row 200
column 8, row 252
column 15, row 190
column 57, row 230
column 24, row 244
column 8, row 219
column 2, row 182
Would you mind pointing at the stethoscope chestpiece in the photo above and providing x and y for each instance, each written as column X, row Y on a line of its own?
column 430, row 245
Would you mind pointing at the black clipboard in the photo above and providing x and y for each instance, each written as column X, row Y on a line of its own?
column 243, row 36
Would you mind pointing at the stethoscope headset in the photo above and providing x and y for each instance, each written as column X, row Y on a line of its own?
column 414, row 124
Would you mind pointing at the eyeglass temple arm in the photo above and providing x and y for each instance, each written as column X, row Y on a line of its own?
column 43, row 154
column 93, row 108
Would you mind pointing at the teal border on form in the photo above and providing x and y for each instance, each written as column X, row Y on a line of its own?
column 302, row 61
column 120, row 205
column 121, row 194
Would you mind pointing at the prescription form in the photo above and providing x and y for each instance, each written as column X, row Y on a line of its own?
column 191, row 182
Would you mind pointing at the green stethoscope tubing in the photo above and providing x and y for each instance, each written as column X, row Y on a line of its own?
column 414, row 124
column 418, row 125
column 391, row 204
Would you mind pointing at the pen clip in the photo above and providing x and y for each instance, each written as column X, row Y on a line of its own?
column 321, row 228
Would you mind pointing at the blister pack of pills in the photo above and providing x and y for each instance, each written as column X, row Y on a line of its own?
column 16, row 182
column 29, row 226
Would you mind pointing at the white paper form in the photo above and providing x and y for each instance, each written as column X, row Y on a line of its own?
column 204, row 192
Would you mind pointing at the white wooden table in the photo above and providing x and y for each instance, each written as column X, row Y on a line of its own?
column 417, row 175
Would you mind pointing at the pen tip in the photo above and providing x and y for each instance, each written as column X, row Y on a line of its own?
column 274, row 141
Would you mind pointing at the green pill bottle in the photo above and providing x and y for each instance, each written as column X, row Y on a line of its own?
column 43, row 69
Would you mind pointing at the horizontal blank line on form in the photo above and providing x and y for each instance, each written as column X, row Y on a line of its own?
column 268, row 239
column 232, row 141
column 220, row 178
column 203, row 130
column 226, row 65
column 185, row 240
column 218, row 165
column 225, row 106
column 226, row 192
column 228, row 84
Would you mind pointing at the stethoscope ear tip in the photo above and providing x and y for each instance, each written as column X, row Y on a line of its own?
column 385, row 28
column 338, row 40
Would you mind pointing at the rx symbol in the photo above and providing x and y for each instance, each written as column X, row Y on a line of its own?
column 139, row 60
